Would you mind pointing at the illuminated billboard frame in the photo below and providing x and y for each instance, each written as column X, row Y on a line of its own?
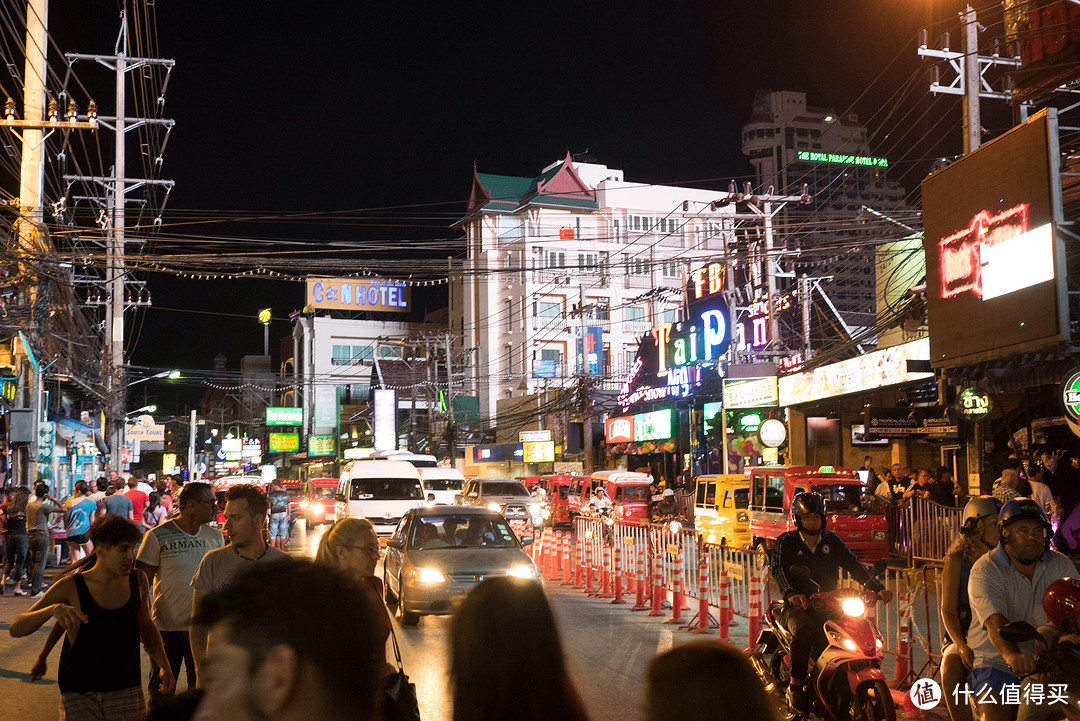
column 284, row 442
column 284, row 416
column 654, row 426
column 980, row 214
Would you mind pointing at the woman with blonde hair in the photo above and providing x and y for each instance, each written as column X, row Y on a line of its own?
column 492, row 624
column 978, row 534
column 352, row 546
column 705, row 681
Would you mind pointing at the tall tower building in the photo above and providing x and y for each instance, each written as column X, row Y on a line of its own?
column 790, row 144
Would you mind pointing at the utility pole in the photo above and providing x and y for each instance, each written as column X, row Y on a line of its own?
column 117, row 187
column 29, row 226
column 969, row 76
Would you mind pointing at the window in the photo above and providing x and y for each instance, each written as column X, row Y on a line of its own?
column 390, row 351
column 550, row 311
column 635, row 314
column 672, row 269
column 554, row 259
column 600, row 309
column 630, row 355
column 671, row 315
column 362, row 352
column 551, row 354
column 637, row 265
column 509, row 321
column 589, row 262
column 616, row 231
column 341, row 355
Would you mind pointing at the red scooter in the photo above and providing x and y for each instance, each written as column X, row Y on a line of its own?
column 846, row 682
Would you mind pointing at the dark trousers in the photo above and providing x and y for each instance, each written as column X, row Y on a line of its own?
column 39, row 555
column 807, row 637
column 15, row 556
column 177, row 650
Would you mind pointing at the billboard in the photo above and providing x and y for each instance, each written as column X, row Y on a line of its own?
column 877, row 369
column 995, row 278
column 619, row 430
column 320, row 444
column 750, row 392
column 385, row 419
column 284, row 442
column 388, row 296
column 538, row 451
column 654, row 426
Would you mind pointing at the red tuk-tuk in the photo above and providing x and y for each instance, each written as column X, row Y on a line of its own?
column 628, row 491
column 558, row 490
column 854, row 512
column 317, row 505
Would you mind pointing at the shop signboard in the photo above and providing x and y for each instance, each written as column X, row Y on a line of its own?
column 284, row 416
column 594, row 345
column 232, row 449
column 373, row 294
column 974, row 405
column 995, row 280
column 533, row 436
column 750, row 393
column 320, row 444
column 619, row 430
column 654, row 426
column 538, row 451
column 284, row 442
column 869, row 371
column 709, row 411
column 327, row 408
column 937, row 422
column 544, row 368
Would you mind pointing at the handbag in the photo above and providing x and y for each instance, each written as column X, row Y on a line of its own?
column 399, row 702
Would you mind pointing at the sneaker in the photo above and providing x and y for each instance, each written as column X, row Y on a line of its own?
column 39, row 594
column 797, row 699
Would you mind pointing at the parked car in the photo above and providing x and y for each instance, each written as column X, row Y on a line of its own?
column 439, row 553
column 503, row 495
column 854, row 512
column 317, row 505
column 721, row 509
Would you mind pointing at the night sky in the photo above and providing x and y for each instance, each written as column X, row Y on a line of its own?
column 335, row 106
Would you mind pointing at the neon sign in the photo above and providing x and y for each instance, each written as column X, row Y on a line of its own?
column 961, row 253
column 818, row 157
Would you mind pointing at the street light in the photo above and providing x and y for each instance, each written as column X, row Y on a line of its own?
column 172, row 375
column 149, row 409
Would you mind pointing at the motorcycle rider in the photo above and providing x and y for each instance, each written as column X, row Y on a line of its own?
column 599, row 502
column 1007, row 584
column 823, row 553
column 667, row 508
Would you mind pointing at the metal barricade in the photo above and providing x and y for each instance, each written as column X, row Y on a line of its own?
column 933, row 529
column 739, row 563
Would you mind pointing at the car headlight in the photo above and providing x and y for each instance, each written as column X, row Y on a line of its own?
column 523, row 570
column 853, row 606
column 428, row 575
column 495, row 507
column 305, row 504
column 534, row 508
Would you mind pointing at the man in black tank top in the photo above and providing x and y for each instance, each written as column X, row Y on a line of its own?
column 105, row 612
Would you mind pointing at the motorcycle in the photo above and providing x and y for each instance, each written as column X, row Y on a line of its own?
column 1057, row 663
column 846, row 681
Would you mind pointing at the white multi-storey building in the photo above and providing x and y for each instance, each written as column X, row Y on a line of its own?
column 576, row 247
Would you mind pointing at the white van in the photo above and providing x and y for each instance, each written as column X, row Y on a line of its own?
column 380, row 491
column 441, row 483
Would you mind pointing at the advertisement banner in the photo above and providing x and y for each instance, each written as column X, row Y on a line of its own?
column 938, row 422
column 878, row 369
column 385, row 419
column 327, row 410
column 655, row 426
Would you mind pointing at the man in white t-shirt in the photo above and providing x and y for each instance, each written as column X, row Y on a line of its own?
column 246, row 508
column 170, row 555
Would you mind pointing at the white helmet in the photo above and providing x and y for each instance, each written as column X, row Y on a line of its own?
column 976, row 508
column 668, row 493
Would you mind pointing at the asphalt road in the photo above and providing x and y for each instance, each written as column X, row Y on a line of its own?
column 608, row 649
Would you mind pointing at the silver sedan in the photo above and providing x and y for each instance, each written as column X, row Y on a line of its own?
column 440, row 553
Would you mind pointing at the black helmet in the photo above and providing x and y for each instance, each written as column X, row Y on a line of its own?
column 807, row 502
column 1023, row 509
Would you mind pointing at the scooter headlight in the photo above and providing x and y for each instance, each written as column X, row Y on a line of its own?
column 853, row 606
column 849, row 644
column 674, row 527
